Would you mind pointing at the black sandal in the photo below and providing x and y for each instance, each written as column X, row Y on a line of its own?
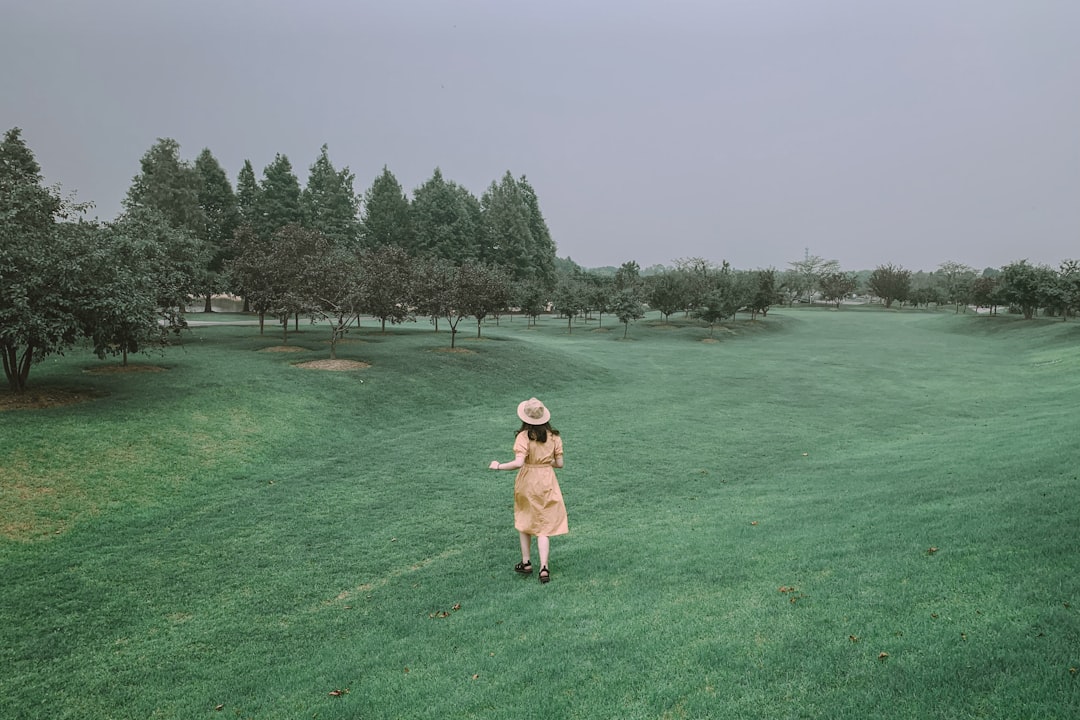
column 545, row 575
column 525, row 568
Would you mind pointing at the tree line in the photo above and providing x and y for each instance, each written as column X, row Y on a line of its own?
column 324, row 252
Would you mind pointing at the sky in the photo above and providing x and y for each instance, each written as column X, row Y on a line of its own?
column 911, row 132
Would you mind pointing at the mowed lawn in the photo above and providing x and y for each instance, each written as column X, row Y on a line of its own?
column 820, row 514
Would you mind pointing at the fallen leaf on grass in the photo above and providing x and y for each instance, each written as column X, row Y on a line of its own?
column 1072, row 671
column 853, row 638
column 786, row 589
column 883, row 656
column 476, row 677
column 931, row 551
column 457, row 606
column 339, row 693
column 753, row 522
column 219, row 708
column 963, row 636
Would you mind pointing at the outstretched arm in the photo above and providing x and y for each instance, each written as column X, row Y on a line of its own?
column 514, row 464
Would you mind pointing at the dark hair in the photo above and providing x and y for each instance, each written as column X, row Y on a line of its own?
column 538, row 433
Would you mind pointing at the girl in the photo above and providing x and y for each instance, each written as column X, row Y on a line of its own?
column 538, row 501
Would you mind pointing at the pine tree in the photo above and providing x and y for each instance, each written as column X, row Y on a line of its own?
column 445, row 220
column 168, row 185
column 278, row 201
column 247, row 193
column 387, row 214
column 329, row 204
column 218, row 203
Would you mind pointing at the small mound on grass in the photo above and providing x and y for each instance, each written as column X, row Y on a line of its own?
column 709, row 340
column 283, row 348
column 338, row 365
column 39, row 398
column 454, row 350
column 104, row 369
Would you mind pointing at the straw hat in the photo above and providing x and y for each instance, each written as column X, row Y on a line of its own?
column 533, row 412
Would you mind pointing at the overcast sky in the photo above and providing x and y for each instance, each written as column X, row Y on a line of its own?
column 867, row 131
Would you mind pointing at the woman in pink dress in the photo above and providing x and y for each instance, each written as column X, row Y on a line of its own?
column 538, row 501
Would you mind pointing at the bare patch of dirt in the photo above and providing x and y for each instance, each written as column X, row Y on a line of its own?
column 109, row 369
column 454, row 350
column 284, row 349
column 709, row 340
column 38, row 398
column 338, row 365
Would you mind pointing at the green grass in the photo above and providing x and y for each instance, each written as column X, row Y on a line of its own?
column 239, row 532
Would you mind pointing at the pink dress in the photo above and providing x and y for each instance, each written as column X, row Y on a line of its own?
column 538, row 501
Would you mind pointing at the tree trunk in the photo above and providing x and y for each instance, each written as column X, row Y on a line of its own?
column 625, row 329
column 384, row 325
column 262, row 321
column 297, row 328
column 569, row 324
column 206, row 306
column 123, row 354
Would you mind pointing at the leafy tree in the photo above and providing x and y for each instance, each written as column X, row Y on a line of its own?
column 1069, row 287
column 531, row 297
column 570, row 298
column 331, row 278
column 698, row 273
column 628, row 276
column 598, row 292
column 488, row 294
column 433, row 280
column 1027, row 287
column 475, row 290
column 222, row 216
column 715, row 309
column 388, row 284
column 984, row 293
column 956, row 283
column 145, row 272
column 387, row 218
column 835, row 286
column 627, row 307
column 41, row 279
column 667, row 292
column 808, row 273
column 789, row 287
column 763, row 292
column 890, row 282
column 278, row 201
column 329, row 204
column 169, row 186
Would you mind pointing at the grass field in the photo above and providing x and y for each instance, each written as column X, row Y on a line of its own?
column 819, row 514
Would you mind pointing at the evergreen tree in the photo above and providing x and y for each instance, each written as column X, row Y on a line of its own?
column 542, row 253
column 219, row 207
column 387, row 217
column 507, row 239
column 168, row 185
column 247, row 194
column 278, row 202
column 329, row 204
column 444, row 220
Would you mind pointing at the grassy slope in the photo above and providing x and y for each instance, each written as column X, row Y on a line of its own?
column 236, row 531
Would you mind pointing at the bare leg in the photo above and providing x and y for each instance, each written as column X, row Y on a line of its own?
column 526, row 546
column 543, row 546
